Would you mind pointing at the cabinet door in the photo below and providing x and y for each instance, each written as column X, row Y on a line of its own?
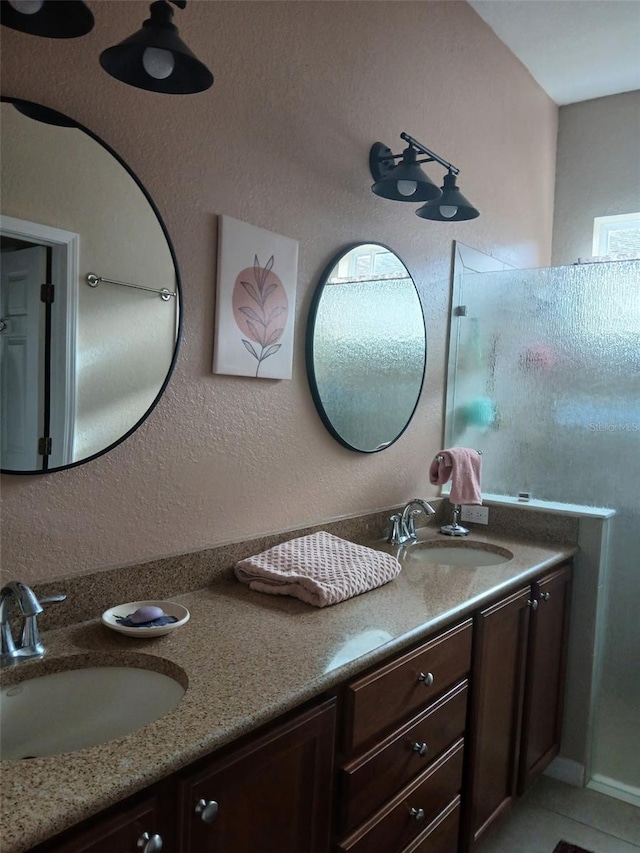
column 497, row 690
column 546, row 665
column 271, row 796
column 130, row 830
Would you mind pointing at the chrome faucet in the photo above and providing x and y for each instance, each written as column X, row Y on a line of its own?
column 30, row 644
column 403, row 528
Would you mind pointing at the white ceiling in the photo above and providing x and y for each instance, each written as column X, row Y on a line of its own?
column 575, row 49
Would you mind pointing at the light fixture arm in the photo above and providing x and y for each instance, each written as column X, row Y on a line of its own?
column 424, row 150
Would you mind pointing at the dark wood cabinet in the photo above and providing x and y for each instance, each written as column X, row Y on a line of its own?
column 435, row 745
column 272, row 796
column 400, row 776
column 142, row 827
column 545, row 677
column 517, row 697
column 497, row 680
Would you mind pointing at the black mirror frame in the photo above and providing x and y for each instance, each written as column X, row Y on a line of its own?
column 309, row 348
column 51, row 116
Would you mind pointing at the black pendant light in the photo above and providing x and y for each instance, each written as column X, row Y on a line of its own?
column 156, row 58
column 407, row 182
column 54, row 19
column 404, row 182
column 452, row 206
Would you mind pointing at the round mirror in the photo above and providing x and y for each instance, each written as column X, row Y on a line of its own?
column 89, row 299
column 366, row 347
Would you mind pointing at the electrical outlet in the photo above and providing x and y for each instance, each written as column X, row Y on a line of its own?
column 476, row 514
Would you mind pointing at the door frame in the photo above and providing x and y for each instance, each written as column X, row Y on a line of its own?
column 65, row 270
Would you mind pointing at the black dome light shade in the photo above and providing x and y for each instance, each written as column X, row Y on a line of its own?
column 155, row 58
column 404, row 182
column 452, row 206
column 55, row 19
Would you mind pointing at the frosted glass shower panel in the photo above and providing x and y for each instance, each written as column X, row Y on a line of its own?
column 545, row 379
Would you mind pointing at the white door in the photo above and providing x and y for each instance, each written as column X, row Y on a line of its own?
column 21, row 358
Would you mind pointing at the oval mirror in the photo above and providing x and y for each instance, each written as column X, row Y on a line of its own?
column 89, row 299
column 366, row 347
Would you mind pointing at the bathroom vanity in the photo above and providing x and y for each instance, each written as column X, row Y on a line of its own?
column 407, row 719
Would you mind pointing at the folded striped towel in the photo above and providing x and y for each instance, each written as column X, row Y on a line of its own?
column 320, row 569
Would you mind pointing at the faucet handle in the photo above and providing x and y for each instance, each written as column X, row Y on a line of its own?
column 396, row 535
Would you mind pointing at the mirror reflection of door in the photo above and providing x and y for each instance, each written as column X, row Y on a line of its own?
column 112, row 348
column 38, row 268
column 22, row 346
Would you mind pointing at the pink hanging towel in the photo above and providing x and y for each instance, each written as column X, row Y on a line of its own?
column 462, row 466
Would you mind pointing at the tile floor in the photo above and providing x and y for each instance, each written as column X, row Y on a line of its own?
column 553, row 811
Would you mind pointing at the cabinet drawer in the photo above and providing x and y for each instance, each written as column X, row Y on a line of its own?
column 392, row 693
column 376, row 776
column 402, row 821
column 441, row 836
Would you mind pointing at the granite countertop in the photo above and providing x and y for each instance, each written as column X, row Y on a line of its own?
column 246, row 658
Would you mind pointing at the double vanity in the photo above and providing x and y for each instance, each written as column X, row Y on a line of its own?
column 401, row 720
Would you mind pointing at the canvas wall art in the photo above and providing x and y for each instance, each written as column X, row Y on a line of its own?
column 255, row 301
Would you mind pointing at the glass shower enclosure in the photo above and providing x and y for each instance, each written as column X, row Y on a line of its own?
column 544, row 378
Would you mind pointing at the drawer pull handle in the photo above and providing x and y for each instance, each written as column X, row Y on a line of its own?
column 207, row 809
column 427, row 678
column 420, row 748
column 533, row 604
column 545, row 596
column 149, row 843
column 417, row 814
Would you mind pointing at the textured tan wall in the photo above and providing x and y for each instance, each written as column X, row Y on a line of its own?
column 598, row 171
column 281, row 140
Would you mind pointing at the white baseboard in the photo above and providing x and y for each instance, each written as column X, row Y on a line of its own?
column 567, row 771
column 613, row 788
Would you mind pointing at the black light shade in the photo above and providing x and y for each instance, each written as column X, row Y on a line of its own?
column 452, row 206
column 156, row 58
column 54, row 19
column 404, row 182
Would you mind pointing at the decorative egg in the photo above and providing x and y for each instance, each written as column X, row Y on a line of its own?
column 146, row 614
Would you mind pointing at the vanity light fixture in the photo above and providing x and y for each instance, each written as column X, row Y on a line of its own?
column 408, row 182
column 156, row 58
column 54, row 19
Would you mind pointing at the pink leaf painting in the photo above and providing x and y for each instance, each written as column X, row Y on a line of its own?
column 260, row 309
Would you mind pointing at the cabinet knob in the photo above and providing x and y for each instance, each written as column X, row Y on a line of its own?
column 149, row 843
column 426, row 678
column 533, row 603
column 417, row 814
column 545, row 596
column 420, row 748
column 207, row 809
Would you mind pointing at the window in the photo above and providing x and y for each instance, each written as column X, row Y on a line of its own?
column 616, row 236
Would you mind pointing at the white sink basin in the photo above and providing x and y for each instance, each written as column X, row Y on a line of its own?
column 459, row 554
column 78, row 708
